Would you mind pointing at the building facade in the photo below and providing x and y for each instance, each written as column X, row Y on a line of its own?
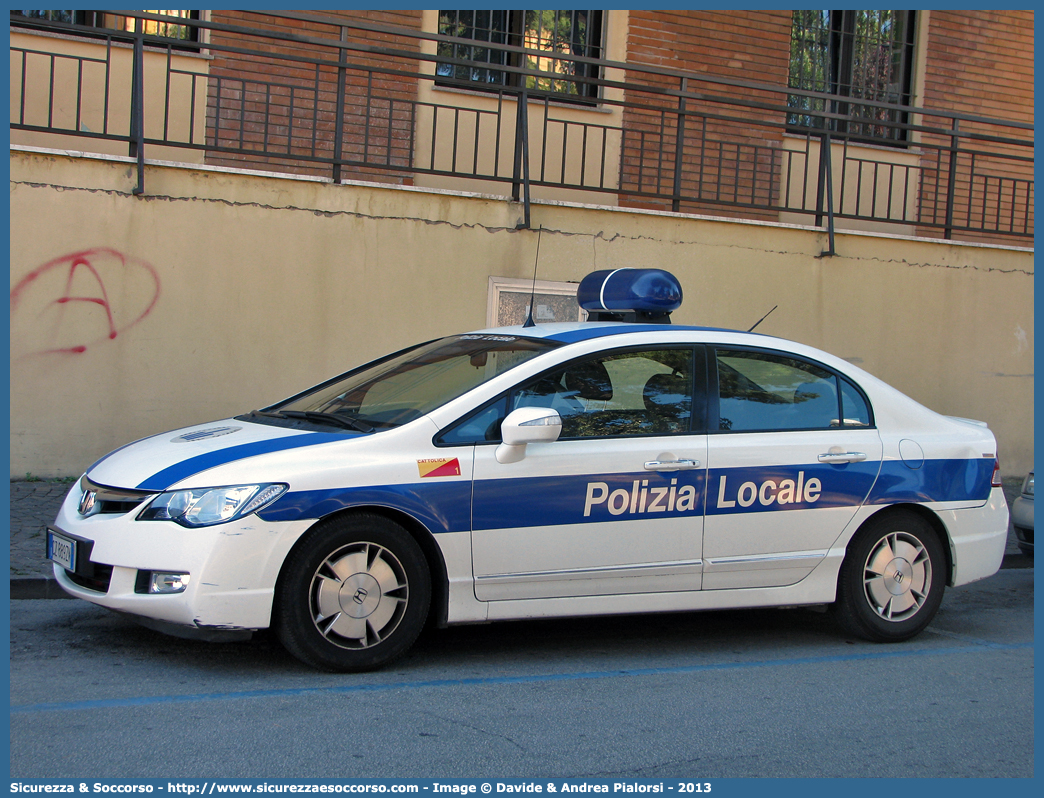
column 927, row 115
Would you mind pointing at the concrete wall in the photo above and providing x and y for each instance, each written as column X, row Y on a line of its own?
column 218, row 292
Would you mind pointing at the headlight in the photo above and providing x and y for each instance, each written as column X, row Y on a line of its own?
column 206, row 506
column 1027, row 486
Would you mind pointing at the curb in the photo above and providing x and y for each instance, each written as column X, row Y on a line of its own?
column 36, row 587
column 45, row 587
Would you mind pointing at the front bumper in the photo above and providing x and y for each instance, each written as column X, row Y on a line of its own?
column 233, row 568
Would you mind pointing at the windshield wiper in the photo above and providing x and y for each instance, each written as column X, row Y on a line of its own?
column 345, row 422
column 264, row 413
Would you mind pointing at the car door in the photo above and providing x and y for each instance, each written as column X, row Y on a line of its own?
column 615, row 505
column 793, row 457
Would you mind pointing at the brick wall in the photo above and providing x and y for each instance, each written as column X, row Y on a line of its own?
column 980, row 63
column 725, row 158
column 282, row 104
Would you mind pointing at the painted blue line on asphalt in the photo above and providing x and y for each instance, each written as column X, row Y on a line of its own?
column 968, row 639
column 144, row 701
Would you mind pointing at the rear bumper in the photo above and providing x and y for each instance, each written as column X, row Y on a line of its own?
column 978, row 538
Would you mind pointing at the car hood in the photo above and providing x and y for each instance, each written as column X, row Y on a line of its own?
column 160, row 461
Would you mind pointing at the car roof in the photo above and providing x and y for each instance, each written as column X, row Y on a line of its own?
column 572, row 332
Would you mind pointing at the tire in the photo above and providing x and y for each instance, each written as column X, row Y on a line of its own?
column 892, row 579
column 1024, row 538
column 353, row 595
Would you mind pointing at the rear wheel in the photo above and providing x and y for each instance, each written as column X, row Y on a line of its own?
column 892, row 579
column 354, row 594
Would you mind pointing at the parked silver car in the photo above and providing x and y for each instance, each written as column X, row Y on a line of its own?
column 1022, row 516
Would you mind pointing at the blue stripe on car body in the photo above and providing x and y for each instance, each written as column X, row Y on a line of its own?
column 441, row 507
column 935, row 481
column 761, row 489
column 193, row 465
column 586, row 498
column 644, row 495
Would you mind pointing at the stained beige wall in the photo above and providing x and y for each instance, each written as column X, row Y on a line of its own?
column 87, row 86
column 219, row 292
column 868, row 181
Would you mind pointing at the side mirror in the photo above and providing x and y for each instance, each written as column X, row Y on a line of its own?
column 524, row 426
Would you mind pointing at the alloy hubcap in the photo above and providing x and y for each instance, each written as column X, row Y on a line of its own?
column 358, row 595
column 897, row 576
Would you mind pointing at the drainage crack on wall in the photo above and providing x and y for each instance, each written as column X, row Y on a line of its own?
column 599, row 236
column 962, row 267
column 263, row 206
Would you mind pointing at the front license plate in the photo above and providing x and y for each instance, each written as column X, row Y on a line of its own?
column 61, row 550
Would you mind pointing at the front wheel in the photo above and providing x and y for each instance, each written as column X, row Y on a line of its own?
column 354, row 594
column 892, row 579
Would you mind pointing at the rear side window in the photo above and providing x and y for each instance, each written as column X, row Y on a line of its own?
column 767, row 391
column 854, row 408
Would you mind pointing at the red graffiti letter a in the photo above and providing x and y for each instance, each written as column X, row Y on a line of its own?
column 103, row 300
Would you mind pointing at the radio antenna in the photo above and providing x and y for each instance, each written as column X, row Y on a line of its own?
column 762, row 318
column 532, row 293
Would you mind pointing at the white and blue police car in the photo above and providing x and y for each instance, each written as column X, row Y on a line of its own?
column 618, row 465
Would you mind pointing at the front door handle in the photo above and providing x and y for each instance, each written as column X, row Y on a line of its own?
column 671, row 465
column 842, row 457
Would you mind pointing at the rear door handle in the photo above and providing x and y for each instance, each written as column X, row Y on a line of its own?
column 671, row 465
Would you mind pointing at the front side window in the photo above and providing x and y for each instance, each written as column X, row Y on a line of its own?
column 769, row 391
column 854, row 55
column 623, row 394
column 576, row 33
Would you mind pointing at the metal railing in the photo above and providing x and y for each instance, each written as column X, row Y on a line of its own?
column 305, row 93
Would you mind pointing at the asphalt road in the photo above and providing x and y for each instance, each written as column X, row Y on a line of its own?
column 696, row 695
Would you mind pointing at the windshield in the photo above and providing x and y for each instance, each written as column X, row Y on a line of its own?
column 410, row 384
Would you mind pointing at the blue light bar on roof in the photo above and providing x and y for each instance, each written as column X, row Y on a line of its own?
column 629, row 294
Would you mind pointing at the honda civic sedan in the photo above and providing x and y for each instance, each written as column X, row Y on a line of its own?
column 618, row 465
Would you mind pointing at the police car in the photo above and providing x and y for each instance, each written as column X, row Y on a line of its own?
column 618, row 465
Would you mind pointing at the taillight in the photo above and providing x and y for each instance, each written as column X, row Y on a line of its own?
column 996, row 481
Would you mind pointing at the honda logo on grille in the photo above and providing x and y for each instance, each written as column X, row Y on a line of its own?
column 89, row 503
